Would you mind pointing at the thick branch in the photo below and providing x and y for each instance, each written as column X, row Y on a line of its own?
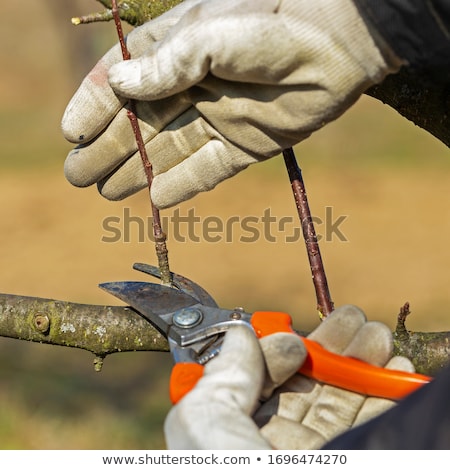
column 429, row 352
column 105, row 330
column 422, row 96
column 100, row 329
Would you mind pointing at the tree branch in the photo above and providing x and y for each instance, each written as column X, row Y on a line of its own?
column 105, row 330
column 429, row 352
column 99, row 329
column 422, row 96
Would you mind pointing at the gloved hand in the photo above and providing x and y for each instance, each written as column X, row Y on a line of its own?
column 251, row 398
column 219, row 86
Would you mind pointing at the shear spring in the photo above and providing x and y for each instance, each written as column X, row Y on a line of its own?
column 202, row 360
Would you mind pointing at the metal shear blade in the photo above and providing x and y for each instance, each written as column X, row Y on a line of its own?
column 153, row 301
column 177, row 315
column 180, row 282
column 194, row 332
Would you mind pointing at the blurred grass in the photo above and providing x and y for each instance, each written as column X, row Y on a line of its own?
column 27, row 145
column 388, row 177
column 56, row 400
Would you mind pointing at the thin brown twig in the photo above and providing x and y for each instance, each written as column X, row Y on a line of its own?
column 324, row 303
column 160, row 237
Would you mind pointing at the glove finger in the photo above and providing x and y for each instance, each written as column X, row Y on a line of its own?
column 195, row 46
column 326, row 407
column 188, row 157
column 214, row 162
column 372, row 406
column 283, row 433
column 296, row 398
column 337, row 331
column 335, row 409
column 86, row 165
column 347, row 332
column 215, row 414
column 310, row 413
column 373, row 343
column 288, row 421
column 291, row 401
column 284, row 354
column 95, row 104
column 401, row 363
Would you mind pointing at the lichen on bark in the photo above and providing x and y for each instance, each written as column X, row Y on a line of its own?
column 105, row 330
column 429, row 352
column 100, row 329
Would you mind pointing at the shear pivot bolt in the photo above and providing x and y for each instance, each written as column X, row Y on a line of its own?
column 237, row 313
column 187, row 318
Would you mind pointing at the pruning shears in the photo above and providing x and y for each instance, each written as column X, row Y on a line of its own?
column 194, row 326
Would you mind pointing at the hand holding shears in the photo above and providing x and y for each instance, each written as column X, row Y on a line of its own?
column 194, row 326
column 239, row 402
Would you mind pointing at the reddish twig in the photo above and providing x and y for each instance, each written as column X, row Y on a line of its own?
column 324, row 302
column 160, row 236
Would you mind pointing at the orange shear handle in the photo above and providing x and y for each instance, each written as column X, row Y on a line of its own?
column 322, row 365
column 341, row 371
column 183, row 379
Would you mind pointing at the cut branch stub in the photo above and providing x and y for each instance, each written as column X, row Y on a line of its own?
column 429, row 352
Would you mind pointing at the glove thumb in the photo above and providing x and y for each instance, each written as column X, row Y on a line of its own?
column 284, row 354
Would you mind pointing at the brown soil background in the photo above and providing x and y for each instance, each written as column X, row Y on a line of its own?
column 389, row 178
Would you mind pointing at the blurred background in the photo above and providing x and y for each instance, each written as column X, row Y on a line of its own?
column 385, row 179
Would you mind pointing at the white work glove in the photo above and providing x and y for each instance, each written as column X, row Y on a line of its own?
column 251, row 398
column 219, row 85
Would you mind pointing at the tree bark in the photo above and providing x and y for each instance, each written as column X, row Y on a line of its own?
column 429, row 352
column 422, row 96
column 105, row 330
column 99, row 329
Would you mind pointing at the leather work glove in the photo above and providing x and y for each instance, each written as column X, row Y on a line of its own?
column 251, row 398
column 219, row 85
